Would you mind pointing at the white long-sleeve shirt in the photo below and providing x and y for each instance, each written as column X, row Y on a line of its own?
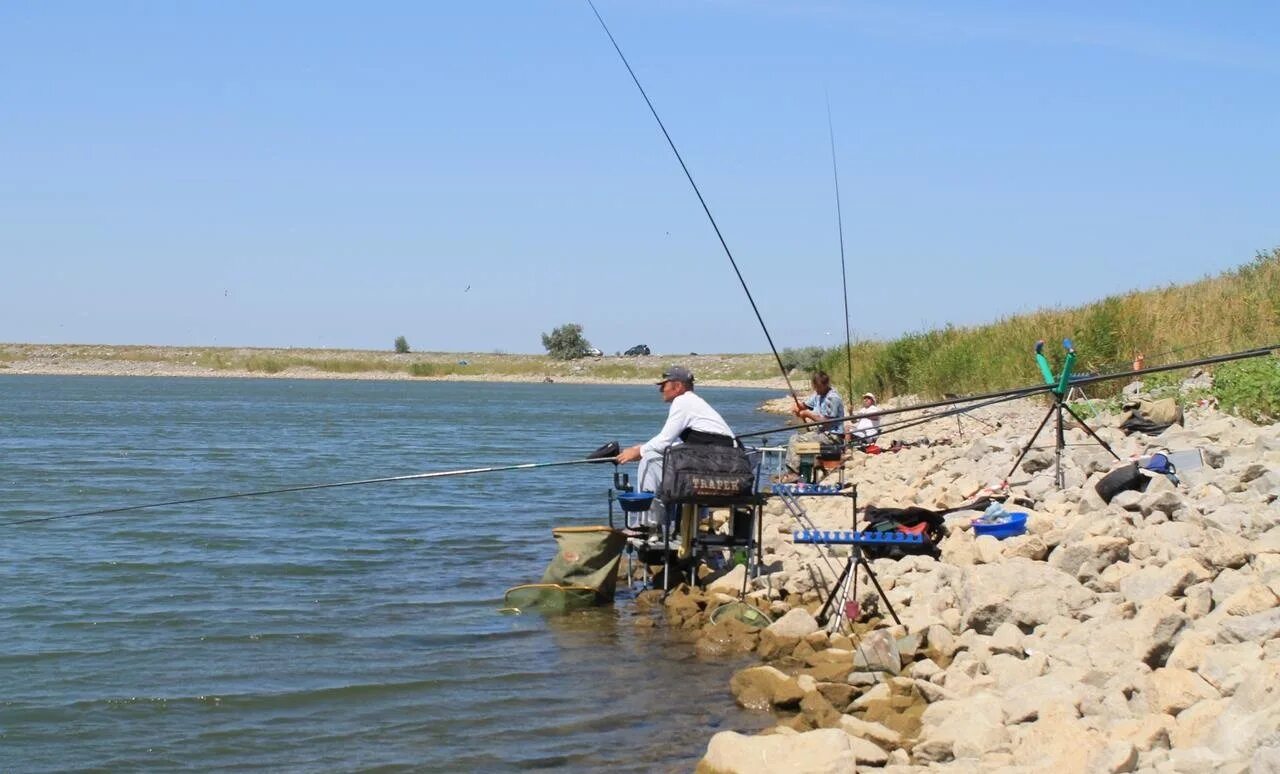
column 688, row 410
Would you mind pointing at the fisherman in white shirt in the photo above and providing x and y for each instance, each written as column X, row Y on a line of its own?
column 689, row 413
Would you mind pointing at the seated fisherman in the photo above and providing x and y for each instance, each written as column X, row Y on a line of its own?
column 823, row 404
column 866, row 429
column 689, row 420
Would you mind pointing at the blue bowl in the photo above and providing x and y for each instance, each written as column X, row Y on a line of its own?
column 1008, row 525
column 635, row 502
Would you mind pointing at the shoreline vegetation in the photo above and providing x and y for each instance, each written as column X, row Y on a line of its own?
column 730, row 370
column 1233, row 311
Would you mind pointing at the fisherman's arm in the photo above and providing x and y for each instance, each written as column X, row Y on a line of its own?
column 676, row 422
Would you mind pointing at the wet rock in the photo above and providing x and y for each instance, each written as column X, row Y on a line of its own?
column 819, row 712
column 726, row 638
column 762, row 687
column 774, row 646
column 825, row 751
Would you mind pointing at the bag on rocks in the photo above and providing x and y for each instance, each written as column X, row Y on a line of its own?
column 1150, row 417
column 913, row 521
column 1121, row 479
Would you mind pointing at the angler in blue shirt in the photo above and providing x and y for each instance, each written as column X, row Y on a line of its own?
column 824, row 404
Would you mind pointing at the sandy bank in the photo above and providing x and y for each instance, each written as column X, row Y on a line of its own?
column 732, row 370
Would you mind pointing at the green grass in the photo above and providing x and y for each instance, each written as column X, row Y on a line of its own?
column 1237, row 310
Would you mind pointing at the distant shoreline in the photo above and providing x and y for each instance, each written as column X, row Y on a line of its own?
column 734, row 370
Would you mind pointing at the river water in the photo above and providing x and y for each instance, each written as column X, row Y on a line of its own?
column 338, row 629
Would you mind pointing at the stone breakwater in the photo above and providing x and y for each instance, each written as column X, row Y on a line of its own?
column 1141, row 635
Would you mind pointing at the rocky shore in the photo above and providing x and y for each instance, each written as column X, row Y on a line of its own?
column 1137, row 635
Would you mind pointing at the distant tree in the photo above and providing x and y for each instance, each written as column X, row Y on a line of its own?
column 402, row 345
column 566, row 342
column 807, row 359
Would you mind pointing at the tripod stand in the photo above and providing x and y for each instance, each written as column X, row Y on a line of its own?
column 1060, row 392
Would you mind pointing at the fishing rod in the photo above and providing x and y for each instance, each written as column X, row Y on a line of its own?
column 701, row 201
column 844, row 283
column 603, row 454
column 1026, row 392
column 1020, row 392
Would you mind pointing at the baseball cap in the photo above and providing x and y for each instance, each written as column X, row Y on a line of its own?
column 677, row 374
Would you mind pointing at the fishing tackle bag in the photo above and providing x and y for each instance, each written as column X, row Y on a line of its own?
column 913, row 521
column 707, row 474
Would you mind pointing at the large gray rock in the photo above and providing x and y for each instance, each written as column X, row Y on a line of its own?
column 1156, row 629
column 1259, row 627
column 1018, row 591
column 877, row 652
column 1251, row 716
column 798, row 622
column 826, row 751
column 1166, row 581
column 1173, row 690
column 1089, row 557
column 961, row 729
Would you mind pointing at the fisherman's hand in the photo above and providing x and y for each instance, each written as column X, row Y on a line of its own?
column 630, row 454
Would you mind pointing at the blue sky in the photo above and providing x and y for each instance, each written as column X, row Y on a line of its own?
column 331, row 174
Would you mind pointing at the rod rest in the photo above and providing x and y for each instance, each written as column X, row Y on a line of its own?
column 847, row 537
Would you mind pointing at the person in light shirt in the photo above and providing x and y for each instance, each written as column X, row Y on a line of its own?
column 689, row 419
column 867, row 429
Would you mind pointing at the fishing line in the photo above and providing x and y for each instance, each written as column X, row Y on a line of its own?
column 304, row 488
column 844, row 283
column 701, row 200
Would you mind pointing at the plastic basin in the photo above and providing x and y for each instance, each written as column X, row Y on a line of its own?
column 1003, row 526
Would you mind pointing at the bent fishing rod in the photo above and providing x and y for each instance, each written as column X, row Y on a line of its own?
column 603, row 454
column 1026, row 392
column 701, row 201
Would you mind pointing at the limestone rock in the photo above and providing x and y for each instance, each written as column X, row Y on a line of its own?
column 1173, row 690
column 1156, row 629
column 987, row 549
column 1166, row 581
column 1019, row 591
column 961, row 729
column 730, row 582
column 826, row 751
column 798, row 622
column 1059, row 742
column 878, row 652
column 1259, row 627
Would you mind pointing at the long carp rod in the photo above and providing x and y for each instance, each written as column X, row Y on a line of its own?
column 844, row 282
column 701, row 200
column 1026, row 392
column 598, row 456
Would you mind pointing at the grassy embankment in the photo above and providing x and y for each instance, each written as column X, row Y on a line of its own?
column 1234, row 311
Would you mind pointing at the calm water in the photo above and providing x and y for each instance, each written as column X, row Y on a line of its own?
column 338, row 629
